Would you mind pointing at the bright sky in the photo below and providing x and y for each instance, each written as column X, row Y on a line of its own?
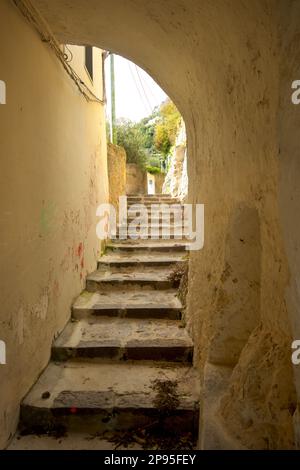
column 137, row 93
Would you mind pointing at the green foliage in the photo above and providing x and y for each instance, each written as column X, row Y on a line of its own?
column 130, row 137
column 154, row 170
column 154, row 160
column 148, row 142
column 166, row 127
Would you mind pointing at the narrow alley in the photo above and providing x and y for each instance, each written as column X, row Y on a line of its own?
column 112, row 342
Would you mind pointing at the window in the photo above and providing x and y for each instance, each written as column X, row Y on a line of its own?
column 89, row 61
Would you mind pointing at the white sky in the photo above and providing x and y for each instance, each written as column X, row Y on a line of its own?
column 137, row 93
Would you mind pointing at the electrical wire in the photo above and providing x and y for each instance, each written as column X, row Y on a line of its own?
column 141, row 82
column 66, row 55
column 149, row 88
column 33, row 17
column 137, row 87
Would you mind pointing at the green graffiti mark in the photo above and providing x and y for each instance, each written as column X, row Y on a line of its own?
column 47, row 217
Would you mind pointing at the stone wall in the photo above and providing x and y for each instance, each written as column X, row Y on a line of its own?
column 136, row 179
column 159, row 182
column 116, row 162
column 176, row 181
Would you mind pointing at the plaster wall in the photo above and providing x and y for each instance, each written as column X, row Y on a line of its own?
column 53, row 175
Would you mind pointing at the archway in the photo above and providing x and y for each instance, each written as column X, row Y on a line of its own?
column 218, row 65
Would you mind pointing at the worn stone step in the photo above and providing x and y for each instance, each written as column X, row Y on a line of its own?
column 96, row 397
column 132, row 235
column 78, row 440
column 157, row 245
column 155, row 226
column 140, row 303
column 124, row 339
column 159, row 204
column 148, row 203
column 156, row 221
column 157, row 277
column 162, row 205
column 151, row 197
column 141, row 259
column 164, row 216
column 158, row 227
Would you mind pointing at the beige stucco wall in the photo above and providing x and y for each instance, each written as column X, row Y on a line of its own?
column 220, row 63
column 116, row 159
column 53, row 175
column 76, row 58
column 136, row 179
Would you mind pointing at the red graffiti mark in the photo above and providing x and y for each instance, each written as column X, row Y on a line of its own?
column 80, row 250
column 82, row 263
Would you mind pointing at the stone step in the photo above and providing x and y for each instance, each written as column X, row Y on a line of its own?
column 124, row 339
column 141, row 259
column 99, row 397
column 151, row 197
column 158, row 226
column 142, row 303
column 167, row 221
column 163, row 214
column 133, row 235
column 78, row 440
column 149, row 202
column 157, row 277
column 134, row 205
column 157, row 245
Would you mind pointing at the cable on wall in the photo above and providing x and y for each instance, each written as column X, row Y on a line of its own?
column 34, row 18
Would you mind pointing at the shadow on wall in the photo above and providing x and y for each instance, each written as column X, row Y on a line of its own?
column 237, row 311
column 260, row 400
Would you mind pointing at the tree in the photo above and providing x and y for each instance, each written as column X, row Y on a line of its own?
column 166, row 127
column 130, row 137
column 148, row 142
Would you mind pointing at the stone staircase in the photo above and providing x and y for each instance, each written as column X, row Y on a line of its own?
column 124, row 361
